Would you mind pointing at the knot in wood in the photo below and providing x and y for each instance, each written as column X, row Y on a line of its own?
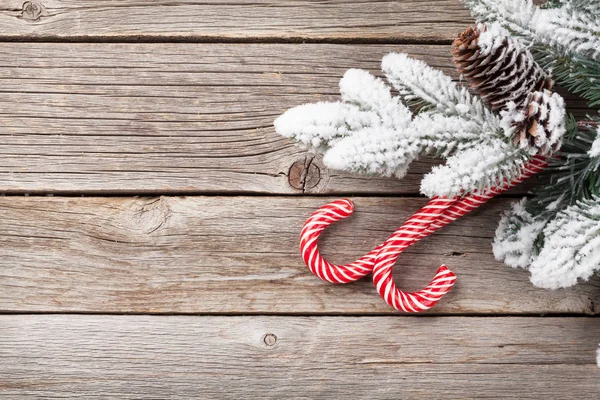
column 304, row 174
column 32, row 10
column 270, row 340
column 146, row 216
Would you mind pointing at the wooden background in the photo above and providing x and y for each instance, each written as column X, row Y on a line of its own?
column 150, row 217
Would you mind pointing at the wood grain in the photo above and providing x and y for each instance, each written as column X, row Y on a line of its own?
column 240, row 20
column 90, row 357
column 118, row 118
column 240, row 255
column 175, row 118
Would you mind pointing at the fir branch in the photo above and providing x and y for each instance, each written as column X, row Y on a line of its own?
column 585, row 5
column 576, row 74
column 368, row 103
column 319, row 125
column 441, row 136
column 418, row 83
column 375, row 150
column 388, row 152
column 574, row 30
column 557, row 250
column 475, row 169
column 371, row 132
column 369, row 93
column 571, row 248
column 574, row 172
column 531, row 232
column 518, row 236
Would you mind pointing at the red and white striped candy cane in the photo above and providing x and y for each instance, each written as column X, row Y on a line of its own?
column 436, row 214
column 314, row 225
column 401, row 239
column 340, row 209
column 420, row 225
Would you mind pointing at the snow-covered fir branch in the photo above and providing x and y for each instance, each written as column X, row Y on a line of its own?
column 572, row 28
column 585, row 5
column 374, row 151
column 595, row 147
column 441, row 136
column 574, row 170
column 517, row 237
column 571, row 250
column 479, row 168
column 565, row 40
column 577, row 74
column 370, row 131
column 367, row 103
column 418, row 82
column 558, row 249
column 389, row 152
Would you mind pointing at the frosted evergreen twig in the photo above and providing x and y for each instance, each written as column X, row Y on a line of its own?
column 418, row 82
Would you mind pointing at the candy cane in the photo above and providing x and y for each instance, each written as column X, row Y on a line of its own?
column 444, row 278
column 338, row 210
column 436, row 214
column 314, row 225
column 420, row 225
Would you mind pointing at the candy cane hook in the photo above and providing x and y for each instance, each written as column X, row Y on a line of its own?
column 314, row 225
column 424, row 222
column 444, row 278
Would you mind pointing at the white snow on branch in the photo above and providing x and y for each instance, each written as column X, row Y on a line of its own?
column 370, row 131
column 387, row 152
column 515, row 237
column 379, row 151
column 571, row 248
column 368, row 103
column 369, row 93
column 319, row 125
column 478, row 168
column 441, row 136
column 416, row 80
column 595, row 148
column 573, row 29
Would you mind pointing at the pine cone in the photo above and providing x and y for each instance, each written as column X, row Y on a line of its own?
column 497, row 67
column 539, row 125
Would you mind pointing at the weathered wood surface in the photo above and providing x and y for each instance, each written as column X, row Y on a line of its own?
column 175, row 118
column 240, row 255
column 218, row 20
column 196, row 118
column 297, row 357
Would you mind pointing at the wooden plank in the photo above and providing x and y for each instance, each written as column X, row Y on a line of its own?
column 248, row 20
column 172, row 118
column 175, row 118
column 240, row 255
column 49, row 356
